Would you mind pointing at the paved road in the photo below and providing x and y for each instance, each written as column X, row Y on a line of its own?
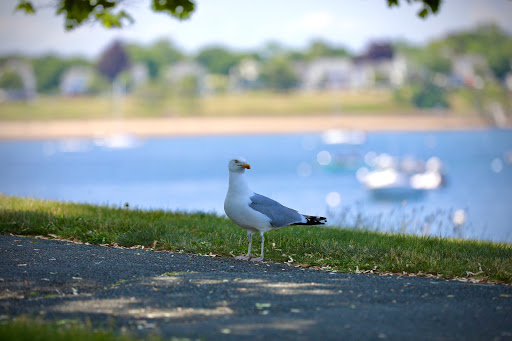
column 224, row 299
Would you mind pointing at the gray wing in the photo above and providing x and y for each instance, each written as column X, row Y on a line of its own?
column 279, row 215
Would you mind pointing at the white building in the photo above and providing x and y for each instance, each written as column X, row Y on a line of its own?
column 245, row 75
column 76, row 80
column 346, row 73
column 327, row 73
column 139, row 74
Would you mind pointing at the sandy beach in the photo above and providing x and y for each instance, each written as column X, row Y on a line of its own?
column 191, row 126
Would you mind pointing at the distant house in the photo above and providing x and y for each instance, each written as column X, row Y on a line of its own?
column 181, row 70
column 378, row 52
column 386, row 68
column 139, row 74
column 468, row 69
column 383, row 72
column 76, row 80
column 379, row 66
column 26, row 73
column 363, row 76
column 327, row 73
column 245, row 75
column 398, row 71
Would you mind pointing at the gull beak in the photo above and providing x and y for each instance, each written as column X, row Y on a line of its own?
column 245, row 165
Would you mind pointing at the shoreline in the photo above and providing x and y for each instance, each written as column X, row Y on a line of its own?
column 204, row 126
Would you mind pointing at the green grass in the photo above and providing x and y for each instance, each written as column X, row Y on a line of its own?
column 340, row 249
column 64, row 330
column 254, row 103
column 302, row 103
column 48, row 108
column 245, row 104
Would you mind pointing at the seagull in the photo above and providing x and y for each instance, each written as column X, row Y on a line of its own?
column 255, row 212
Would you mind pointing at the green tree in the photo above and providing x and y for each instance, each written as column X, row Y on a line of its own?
column 278, row 74
column 113, row 61
column 106, row 12
column 98, row 85
column 320, row 48
column 11, row 80
column 49, row 70
column 217, row 59
column 430, row 57
column 273, row 49
column 429, row 96
column 487, row 40
column 109, row 14
column 429, row 6
column 156, row 57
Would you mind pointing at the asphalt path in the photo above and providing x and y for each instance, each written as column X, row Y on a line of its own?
column 211, row 298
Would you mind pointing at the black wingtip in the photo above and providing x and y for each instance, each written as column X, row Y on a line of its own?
column 313, row 220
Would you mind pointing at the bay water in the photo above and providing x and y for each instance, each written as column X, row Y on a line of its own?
column 190, row 174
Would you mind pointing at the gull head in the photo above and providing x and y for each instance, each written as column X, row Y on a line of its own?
column 238, row 165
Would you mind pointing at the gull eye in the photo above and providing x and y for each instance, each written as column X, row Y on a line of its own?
column 236, row 161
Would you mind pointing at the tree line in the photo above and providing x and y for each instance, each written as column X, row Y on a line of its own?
column 489, row 41
column 159, row 55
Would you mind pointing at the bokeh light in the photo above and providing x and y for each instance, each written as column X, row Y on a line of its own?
column 333, row 199
column 324, row 158
column 304, row 169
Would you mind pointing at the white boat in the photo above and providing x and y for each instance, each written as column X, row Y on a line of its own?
column 401, row 180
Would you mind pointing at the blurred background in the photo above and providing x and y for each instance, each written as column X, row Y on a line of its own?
column 360, row 74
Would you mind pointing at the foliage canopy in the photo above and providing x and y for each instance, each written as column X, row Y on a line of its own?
column 113, row 61
column 156, row 56
column 11, row 80
column 109, row 14
column 217, row 59
column 429, row 6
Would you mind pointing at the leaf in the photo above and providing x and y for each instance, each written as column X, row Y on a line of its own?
column 434, row 4
column 429, row 6
column 423, row 13
column 25, row 6
column 111, row 20
column 180, row 9
column 392, row 3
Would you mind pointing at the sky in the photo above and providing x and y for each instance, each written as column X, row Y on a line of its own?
column 245, row 25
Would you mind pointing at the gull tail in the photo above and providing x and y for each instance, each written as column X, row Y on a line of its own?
column 313, row 220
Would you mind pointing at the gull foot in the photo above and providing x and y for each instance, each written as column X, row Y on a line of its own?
column 256, row 259
column 243, row 257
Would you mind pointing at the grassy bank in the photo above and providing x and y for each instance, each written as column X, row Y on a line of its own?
column 34, row 329
column 341, row 249
column 380, row 102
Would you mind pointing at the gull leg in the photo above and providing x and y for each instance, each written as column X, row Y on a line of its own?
column 249, row 234
column 260, row 258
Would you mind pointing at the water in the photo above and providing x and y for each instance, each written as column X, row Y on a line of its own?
column 191, row 174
